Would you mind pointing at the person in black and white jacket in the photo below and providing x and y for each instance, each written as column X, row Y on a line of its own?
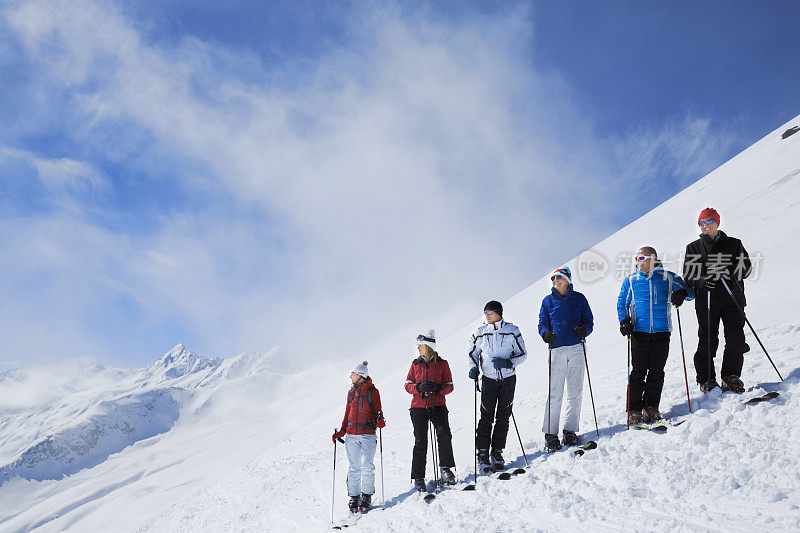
column 497, row 349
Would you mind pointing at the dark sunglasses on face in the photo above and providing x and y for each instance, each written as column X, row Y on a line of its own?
column 553, row 278
column 705, row 222
column 641, row 257
column 488, row 312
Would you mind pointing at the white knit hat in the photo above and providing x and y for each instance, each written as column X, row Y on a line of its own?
column 361, row 370
column 429, row 339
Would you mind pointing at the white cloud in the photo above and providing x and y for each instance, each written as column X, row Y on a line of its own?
column 429, row 166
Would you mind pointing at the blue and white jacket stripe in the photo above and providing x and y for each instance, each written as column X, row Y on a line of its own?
column 646, row 299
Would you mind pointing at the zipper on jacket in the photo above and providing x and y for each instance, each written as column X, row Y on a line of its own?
column 650, row 283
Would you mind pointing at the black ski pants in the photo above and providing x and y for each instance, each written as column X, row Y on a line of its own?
column 649, row 353
column 419, row 418
column 497, row 399
column 735, row 345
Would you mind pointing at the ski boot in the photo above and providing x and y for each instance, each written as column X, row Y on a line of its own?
column 448, row 477
column 498, row 463
column 353, row 505
column 419, row 485
column 636, row 416
column 365, row 503
column 733, row 384
column 570, row 438
column 551, row 443
column 651, row 415
column 708, row 386
column 483, row 460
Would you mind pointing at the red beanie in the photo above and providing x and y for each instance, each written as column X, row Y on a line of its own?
column 709, row 212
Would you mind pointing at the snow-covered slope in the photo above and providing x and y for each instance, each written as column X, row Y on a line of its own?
column 728, row 468
column 251, row 450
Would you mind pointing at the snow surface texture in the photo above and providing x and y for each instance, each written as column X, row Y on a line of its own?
column 251, row 450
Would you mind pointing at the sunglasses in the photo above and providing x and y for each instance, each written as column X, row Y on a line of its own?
column 423, row 338
column 553, row 278
column 706, row 222
column 641, row 257
column 488, row 312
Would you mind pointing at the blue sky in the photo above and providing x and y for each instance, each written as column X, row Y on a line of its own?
column 239, row 175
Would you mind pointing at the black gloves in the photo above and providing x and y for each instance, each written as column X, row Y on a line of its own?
column 549, row 337
column 473, row 372
column 581, row 331
column 500, row 363
column 429, row 387
column 678, row 297
column 626, row 327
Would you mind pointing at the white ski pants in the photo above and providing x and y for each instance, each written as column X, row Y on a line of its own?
column 360, row 454
column 567, row 362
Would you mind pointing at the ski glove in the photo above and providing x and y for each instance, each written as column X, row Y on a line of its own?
column 338, row 435
column 581, row 331
column 381, row 421
column 430, row 387
column 626, row 327
column 678, row 297
column 473, row 373
column 502, row 363
column 549, row 337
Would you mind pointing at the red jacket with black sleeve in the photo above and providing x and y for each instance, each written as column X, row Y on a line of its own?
column 436, row 370
column 363, row 412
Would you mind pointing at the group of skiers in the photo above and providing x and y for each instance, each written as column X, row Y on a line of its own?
column 715, row 267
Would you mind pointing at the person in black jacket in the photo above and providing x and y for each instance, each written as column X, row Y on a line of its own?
column 711, row 262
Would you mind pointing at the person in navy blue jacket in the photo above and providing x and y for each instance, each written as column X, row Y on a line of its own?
column 644, row 308
column 565, row 320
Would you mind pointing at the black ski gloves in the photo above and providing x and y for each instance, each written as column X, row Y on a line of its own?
column 473, row 373
column 626, row 327
column 429, row 387
column 678, row 297
column 549, row 337
column 501, row 363
column 581, row 331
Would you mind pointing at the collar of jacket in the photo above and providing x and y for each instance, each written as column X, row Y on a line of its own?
column 364, row 384
column 720, row 236
column 659, row 268
column 559, row 295
column 499, row 324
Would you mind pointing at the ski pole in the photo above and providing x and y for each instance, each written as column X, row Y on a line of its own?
column 380, row 442
column 683, row 355
column 629, row 382
column 513, row 419
column 432, row 428
column 333, row 483
column 591, row 394
column 739, row 307
column 549, row 382
column 708, row 325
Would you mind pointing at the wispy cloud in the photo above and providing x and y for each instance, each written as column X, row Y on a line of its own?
column 422, row 166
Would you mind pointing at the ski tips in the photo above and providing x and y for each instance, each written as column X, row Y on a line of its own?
column 504, row 475
column 469, row 487
column 429, row 498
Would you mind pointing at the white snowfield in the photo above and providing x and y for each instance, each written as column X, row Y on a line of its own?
column 250, row 449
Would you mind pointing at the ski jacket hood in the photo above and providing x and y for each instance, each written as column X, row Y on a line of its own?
column 646, row 299
column 500, row 340
column 363, row 409
column 561, row 313
column 437, row 370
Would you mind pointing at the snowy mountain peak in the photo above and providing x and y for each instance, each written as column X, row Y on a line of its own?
column 179, row 362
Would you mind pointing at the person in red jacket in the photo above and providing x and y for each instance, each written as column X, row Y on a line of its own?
column 362, row 415
column 428, row 380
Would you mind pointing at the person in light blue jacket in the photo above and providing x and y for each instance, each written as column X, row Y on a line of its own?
column 565, row 320
column 644, row 309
